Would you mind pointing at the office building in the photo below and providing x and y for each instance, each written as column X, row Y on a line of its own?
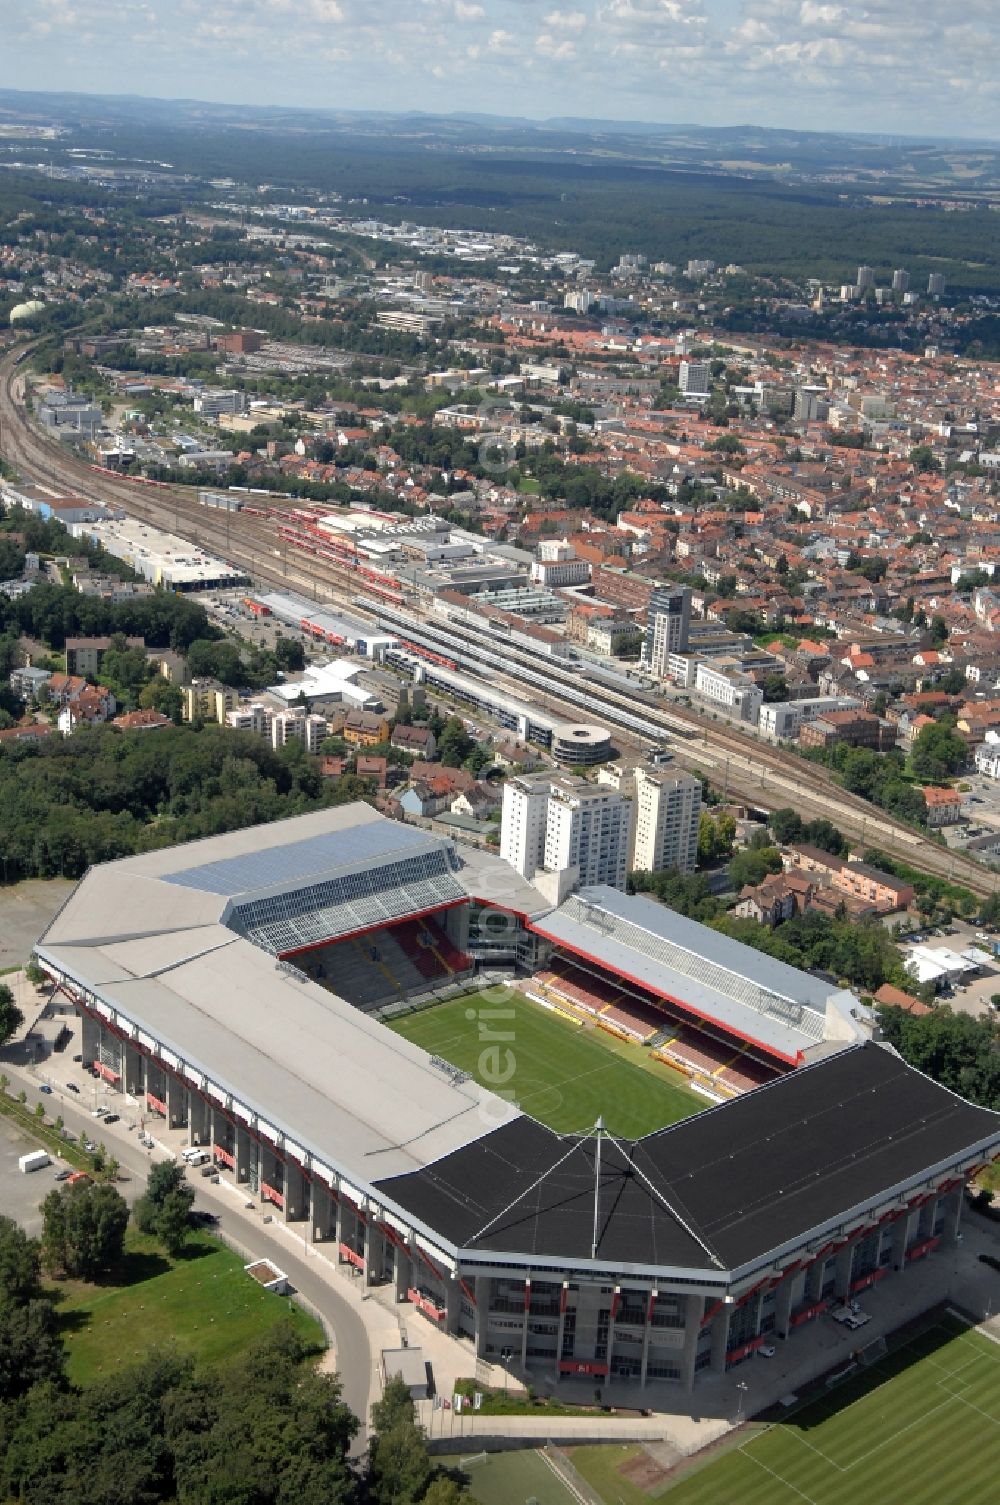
column 668, row 624
column 668, row 807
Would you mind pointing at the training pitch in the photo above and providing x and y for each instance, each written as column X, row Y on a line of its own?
column 564, row 1074
column 921, row 1426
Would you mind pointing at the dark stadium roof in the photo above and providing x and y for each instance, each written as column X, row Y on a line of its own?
column 724, row 1188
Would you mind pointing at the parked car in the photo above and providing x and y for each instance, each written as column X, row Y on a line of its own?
column 767, row 1350
column 73, row 1087
column 63, row 1175
column 89, row 1146
column 98, row 1112
column 77, row 1058
column 46, row 1089
column 111, row 1118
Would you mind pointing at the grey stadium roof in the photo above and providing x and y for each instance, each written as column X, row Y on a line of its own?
column 745, row 990
column 147, row 937
column 306, row 861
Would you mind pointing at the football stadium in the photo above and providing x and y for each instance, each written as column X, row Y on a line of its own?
column 244, row 988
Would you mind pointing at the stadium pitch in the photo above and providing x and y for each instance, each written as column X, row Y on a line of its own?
column 922, row 1425
column 565, row 1075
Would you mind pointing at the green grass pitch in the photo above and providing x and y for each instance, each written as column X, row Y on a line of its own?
column 565, row 1075
column 920, row 1427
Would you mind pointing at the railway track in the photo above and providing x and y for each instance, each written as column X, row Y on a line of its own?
column 266, row 549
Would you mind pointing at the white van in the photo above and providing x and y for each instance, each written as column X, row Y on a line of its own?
column 195, row 1156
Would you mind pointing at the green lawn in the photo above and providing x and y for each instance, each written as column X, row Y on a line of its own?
column 512, row 1478
column 601, row 1468
column 921, row 1427
column 203, row 1303
column 564, row 1074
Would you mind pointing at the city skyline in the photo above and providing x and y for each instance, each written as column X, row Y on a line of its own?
column 774, row 63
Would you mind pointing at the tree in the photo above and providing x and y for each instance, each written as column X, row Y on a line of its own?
column 923, row 459
column 164, row 1210
column 31, row 1349
column 11, row 1017
column 173, row 1223
column 938, row 752
column 19, row 1265
column 786, row 824
column 399, row 1467
column 753, row 867
column 84, row 1228
column 454, row 743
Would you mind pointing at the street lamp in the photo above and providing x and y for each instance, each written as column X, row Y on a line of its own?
column 506, row 1354
column 742, row 1387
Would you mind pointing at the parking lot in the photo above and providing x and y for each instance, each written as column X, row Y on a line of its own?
column 21, row 1194
column 970, row 995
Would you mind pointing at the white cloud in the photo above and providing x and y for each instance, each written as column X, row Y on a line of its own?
column 566, row 20
column 551, row 47
column 871, row 65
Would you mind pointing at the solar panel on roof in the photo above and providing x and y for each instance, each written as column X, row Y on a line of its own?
column 302, row 861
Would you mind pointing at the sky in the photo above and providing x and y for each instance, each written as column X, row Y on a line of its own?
column 889, row 66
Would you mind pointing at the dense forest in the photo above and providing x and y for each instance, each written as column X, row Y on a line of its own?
column 65, row 804
column 265, row 1428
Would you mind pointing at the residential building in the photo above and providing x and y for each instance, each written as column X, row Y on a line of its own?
column 141, row 721
column 562, row 825
column 365, row 728
column 418, row 740
column 695, row 379
column 944, row 806
column 28, row 684
column 856, row 728
column 85, row 655
column 279, row 727
column 207, row 700
column 668, row 806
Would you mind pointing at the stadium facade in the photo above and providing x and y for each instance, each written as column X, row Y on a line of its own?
column 207, row 980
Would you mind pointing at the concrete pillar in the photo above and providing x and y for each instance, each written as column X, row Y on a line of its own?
column 902, row 1236
column 247, row 1153
column 375, row 1253
column 322, row 1208
column 482, row 1289
column 338, row 1231
column 783, row 1305
column 524, row 1329
column 90, row 1034
column 402, row 1266
column 560, row 1331
column 689, row 1353
column 814, row 1280
column 452, row 1305
column 953, row 1214
column 720, row 1339
column 177, row 1102
column 843, row 1269
column 133, row 1070
column 199, row 1118
column 296, row 1193
column 647, row 1333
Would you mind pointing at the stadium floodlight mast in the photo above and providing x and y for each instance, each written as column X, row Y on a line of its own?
column 742, row 1387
